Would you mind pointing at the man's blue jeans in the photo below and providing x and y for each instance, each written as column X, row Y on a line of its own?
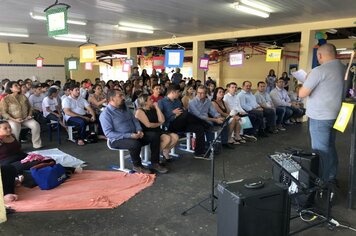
column 323, row 143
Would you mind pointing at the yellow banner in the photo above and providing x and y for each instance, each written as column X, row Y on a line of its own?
column 273, row 55
column 344, row 116
column 88, row 53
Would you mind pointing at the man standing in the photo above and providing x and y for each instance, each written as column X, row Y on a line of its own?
column 177, row 76
column 323, row 87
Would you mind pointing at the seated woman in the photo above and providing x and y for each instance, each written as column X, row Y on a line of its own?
column 224, row 110
column 97, row 101
column 50, row 107
column 151, row 118
column 16, row 108
column 188, row 94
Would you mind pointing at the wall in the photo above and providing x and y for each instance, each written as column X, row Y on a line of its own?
column 24, row 56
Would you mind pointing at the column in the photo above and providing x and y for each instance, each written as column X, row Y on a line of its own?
column 307, row 43
column 198, row 52
column 132, row 54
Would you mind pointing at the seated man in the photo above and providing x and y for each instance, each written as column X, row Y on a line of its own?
column 36, row 100
column 264, row 100
column 122, row 128
column 201, row 107
column 75, row 112
column 249, row 104
column 280, row 98
column 232, row 100
column 179, row 120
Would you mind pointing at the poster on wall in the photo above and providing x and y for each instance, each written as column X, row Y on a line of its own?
column 344, row 116
column 204, row 63
column 158, row 63
column 72, row 64
column 39, row 62
column 88, row 53
column 57, row 21
column 273, row 55
column 174, row 58
column 88, row 66
column 236, row 59
column 126, row 67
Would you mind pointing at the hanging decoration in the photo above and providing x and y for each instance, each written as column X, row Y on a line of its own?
column 39, row 61
column 214, row 56
column 273, row 55
column 236, row 58
column 126, row 67
column 88, row 65
column 158, row 63
column 174, row 54
column 56, row 19
column 88, row 51
column 72, row 63
column 204, row 63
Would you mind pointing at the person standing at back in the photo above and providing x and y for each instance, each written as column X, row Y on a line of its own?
column 323, row 87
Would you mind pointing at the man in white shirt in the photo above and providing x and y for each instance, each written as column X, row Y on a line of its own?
column 232, row 100
column 249, row 104
column 75, row 112
column 281, row 98
column 265, row 101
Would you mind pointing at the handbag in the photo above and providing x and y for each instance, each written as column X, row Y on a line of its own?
column 48, row 176
column 245, row 122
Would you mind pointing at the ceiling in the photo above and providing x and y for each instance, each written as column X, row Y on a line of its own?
column 168, row 17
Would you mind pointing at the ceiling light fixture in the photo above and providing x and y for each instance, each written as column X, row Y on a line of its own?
column 43, row 18
column 331, row 31
column 71, row 37
column 249, row 10
column 256, row 5
column 346, row 52
column 126, row 26
column 14, row 35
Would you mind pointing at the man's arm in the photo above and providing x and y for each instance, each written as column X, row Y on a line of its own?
column 243, row 102
column 304, row 92
column 108, row 128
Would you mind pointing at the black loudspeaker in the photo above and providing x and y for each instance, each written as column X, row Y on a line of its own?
column 246, row 209
column 309, row 162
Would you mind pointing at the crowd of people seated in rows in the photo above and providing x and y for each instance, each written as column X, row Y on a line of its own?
column 143, row 110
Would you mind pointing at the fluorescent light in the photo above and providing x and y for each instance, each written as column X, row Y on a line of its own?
column 71, row 37
column 250, row 10
column 341, row 49
column 69, row 21
column 346, row 52
column 352, row 37
column 14, row 35
column 138, row 26
column 332, row 31
column 256, row 5
column 146, row 31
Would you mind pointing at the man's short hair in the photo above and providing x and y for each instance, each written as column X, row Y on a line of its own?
column 260, row 82
column 156, row 85
column 329, row 49
column 232, row 83
column 246, row 81
column 203, row 87
column 111, row 93
column 73, row 86
column 173, row 88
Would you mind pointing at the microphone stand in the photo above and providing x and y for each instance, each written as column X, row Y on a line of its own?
column 212, row 195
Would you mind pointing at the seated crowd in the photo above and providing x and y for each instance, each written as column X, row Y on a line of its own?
column 146, row 109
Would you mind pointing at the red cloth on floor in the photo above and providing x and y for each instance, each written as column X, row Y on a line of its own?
column 87, row 190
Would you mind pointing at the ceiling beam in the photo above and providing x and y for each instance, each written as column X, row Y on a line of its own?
column 319, row 25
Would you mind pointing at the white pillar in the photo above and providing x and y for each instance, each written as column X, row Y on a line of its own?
column 132, row 54
column 307, row 43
